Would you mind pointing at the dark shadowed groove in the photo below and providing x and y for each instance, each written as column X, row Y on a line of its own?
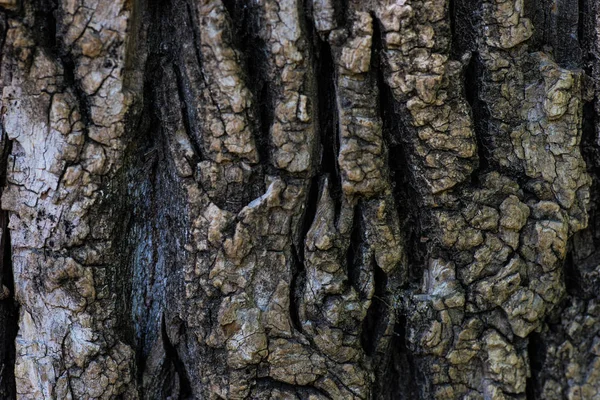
column 572, row 274
column 402, row 379
column 452, row 22
column 377, row 317
column 355, row 248
column 45, row 33
column 264, row 101
column 170, row 212
column 536, row 11
column 187, row 109
column 82, row 98
column 583, row 13
column 577, row 267
column 576, row 264
column 375, row 322
column 342, row 8
column 298, row 269
column 479, row 112
column 328, row 120
column 172, row 355
column 589, row 145
column 396, row 372
column 169, row 20
column 141, row 166
column 405, row 194
column 8, row 306
column 230, row 6
column 296, row 288
column 143, row 241
column 302, row 392
column 461, row 15
column 253, row 49
column 44, row 28
column 464, row 34
column 557, row 26
column 534, row 350
column 586, row 33
column 245, row 39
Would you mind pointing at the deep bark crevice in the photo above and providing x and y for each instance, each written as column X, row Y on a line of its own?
column 185, row 388
column 452, row 22
column 231, row 7
column 375, row 322
column 301, row 391
column 354, row 251
column 71, row 82
column 404, row 192
column 572, row 274
column 296, row 288
column 589, row 142
column 264, row 100
column 534, row 351
column 8, row 307
column 44, row 29
column 328, row 124
column 401, row 380
column 342, row 8
column 298, row 251
column 461, row 14
column 479, row 112
column 45, row 33
column 187, row 110
column 253, row 50
column 581, row 23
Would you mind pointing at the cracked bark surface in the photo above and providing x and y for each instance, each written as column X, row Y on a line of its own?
column 299, row 199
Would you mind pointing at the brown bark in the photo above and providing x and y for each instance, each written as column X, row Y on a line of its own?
column 314, row 199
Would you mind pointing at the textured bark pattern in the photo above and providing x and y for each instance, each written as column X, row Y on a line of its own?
column 312, row 199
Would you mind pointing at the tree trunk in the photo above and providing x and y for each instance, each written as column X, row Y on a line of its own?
column 300, row 199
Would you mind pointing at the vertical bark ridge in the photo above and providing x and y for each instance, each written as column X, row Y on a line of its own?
column 224, row 107
column 566, row 363
column 71, row 340
column 488, row 258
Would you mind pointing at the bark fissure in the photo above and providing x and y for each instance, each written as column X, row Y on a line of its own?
column 479, row 112
column 247, row 27
column 375, row 322
column 404, row 194
column 354, row 256
column 328, row 120
column 8, row 306
column 402, row 381
column 185, row 388
column 297, row 287
column 300, row 391
column 186, row 109
column 534, row 354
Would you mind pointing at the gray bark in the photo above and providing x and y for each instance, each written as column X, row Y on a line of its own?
column 299, row 199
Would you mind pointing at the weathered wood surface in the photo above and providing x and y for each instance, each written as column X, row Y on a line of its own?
column 279, row 199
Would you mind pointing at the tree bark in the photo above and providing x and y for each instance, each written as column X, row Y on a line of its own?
column 299, row 199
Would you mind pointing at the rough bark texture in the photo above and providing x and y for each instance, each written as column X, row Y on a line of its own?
column 300, row 199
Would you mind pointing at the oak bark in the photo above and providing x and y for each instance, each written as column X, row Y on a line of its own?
column 299, row 199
